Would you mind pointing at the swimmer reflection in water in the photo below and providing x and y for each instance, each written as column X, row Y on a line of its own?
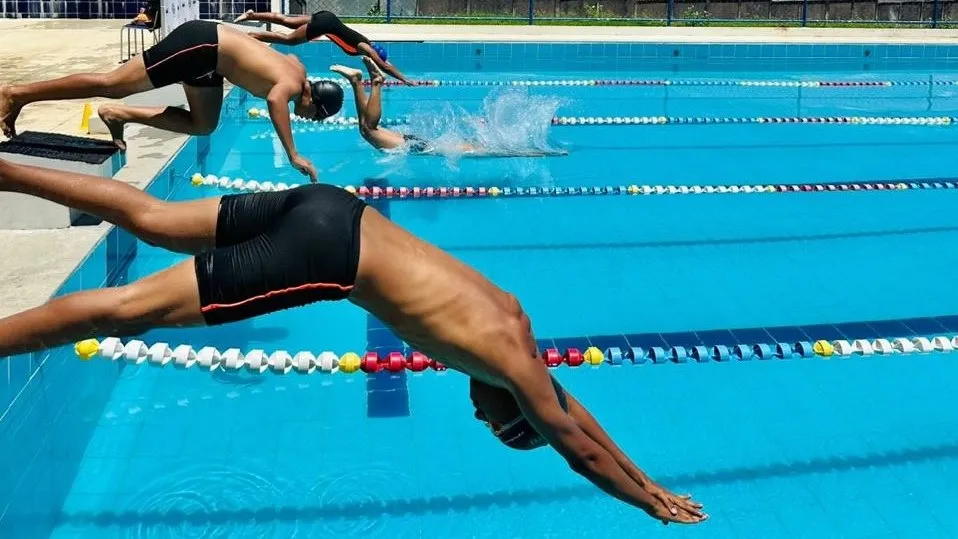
column 258, row 253
column 370, row 111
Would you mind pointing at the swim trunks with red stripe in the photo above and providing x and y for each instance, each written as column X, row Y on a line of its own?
column 279, row 250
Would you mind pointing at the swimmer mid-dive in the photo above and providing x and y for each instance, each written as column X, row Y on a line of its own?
column 324, row 23
column 200, row 54
column 369, row 112
column 259, row 253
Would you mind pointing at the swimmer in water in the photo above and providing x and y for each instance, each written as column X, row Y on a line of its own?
column 324, row 23
column 199, row 54
column 258, row 253
column 369, row 112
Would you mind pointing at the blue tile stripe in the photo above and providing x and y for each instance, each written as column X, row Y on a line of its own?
column 387, row 394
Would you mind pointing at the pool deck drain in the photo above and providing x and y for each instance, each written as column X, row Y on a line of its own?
column 38, row 262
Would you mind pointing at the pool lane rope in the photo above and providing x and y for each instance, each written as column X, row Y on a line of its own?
column 672, row 82
column 305, row 362
column 391, row 192
column 343, row 122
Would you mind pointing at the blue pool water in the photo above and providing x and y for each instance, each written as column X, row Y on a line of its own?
column 859, row 448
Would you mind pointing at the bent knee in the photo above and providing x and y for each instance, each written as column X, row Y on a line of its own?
column 134, row 307
column 205, row 126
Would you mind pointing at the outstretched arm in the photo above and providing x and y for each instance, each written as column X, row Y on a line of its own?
column 593, row 430
column 278, row 103
column 532, row 388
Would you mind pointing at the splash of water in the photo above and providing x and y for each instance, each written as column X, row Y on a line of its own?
column 511, row 122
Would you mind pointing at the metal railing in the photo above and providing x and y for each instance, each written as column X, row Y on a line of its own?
column 887, row 13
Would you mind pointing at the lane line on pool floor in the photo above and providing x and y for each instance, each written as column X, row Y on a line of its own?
column 305, row 362
column 444, row 192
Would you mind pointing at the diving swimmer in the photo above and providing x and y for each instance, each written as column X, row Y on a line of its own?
column 324, row 23
column 200, row 54
column 369, row 112
column 258, row 253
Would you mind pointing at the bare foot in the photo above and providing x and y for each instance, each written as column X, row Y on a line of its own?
column 376, row 75
column 9, row 110
column 114, row 124
column 354, row 75
column 244, row 17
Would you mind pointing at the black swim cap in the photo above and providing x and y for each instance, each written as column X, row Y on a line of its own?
column 327, row 96
column 520, row 434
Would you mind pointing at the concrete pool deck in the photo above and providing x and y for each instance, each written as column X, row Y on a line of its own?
column 38, row 262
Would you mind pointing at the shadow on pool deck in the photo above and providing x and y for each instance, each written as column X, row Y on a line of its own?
column 463, row 502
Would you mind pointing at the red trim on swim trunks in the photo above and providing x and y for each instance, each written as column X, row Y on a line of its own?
column 170, row 57
column 300, row 288
column 348, row 49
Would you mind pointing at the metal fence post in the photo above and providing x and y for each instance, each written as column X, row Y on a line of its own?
column 804, row 12
column 389, row 11
column 532, row 10
column 669, row 12
column 934, row 14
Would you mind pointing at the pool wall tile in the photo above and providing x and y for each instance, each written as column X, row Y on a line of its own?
column 545, row 57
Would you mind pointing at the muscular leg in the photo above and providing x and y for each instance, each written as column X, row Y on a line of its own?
column 296, row 37
column 355, row 78
column 188, row 227
column 368, row 114
column 275, row 18
column 204, row 115
column 164, row 299
column 128, row 79
column 374, row 108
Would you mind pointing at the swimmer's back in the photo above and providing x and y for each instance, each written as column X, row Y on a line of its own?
column 253, row 65
column 434, row 302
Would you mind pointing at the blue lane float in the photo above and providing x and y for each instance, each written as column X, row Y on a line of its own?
column 657, row 355
column 742, row 352
column 762, row 351
column 804, row 349
column 720, row 352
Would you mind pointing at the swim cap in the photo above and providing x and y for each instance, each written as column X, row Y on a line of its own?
column 327, row 96
column 380, row 51
column 520, row 434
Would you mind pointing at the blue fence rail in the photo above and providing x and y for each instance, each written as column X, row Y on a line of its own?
column 923, row 13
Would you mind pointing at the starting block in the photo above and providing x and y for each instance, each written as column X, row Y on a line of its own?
column 59, row 152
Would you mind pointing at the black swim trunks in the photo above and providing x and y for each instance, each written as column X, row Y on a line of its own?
column 327, row 24
column 279, row 250
column 188, row 55
column 415, row 143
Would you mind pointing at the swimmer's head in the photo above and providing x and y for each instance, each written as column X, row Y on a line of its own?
column 498, row 409
column 380, row 50
column 324, row 99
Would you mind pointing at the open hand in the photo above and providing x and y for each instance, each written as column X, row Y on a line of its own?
column 305, row 166
column 669, row 507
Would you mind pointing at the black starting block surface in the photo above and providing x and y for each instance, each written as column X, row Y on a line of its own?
column 62, row 147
